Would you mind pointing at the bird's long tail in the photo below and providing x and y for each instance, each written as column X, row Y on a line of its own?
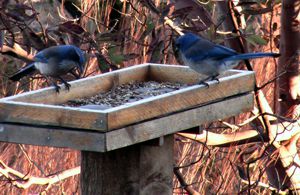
column 27, row 70
column 252, row 55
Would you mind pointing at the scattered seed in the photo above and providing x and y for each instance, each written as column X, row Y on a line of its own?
column 126, row 93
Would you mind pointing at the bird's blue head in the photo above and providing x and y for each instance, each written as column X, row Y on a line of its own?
column 185, row 41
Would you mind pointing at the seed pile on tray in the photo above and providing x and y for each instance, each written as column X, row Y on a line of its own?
column 125, row 93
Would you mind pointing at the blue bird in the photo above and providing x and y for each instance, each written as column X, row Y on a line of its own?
column 53, row 62
column 211, row 59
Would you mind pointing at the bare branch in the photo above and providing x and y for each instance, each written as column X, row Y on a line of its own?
column 280, row 132
column 176, row 28
column 291, row 161
column 215, row 139
column 261, row 184
column 16, row 51
column 20, row 180
column 182, row 182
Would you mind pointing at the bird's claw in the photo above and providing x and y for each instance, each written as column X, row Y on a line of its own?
column 68, row 86
column 216, row 79
column 57, row 88
column 204, row 83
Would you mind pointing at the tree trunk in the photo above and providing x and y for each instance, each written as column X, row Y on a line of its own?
column 288, row 85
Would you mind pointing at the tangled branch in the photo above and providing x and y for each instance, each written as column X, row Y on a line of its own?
column 23, row 181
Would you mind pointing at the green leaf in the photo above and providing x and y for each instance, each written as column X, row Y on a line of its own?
column 149, row 27
column 91, row 26
column 156, row 54
column 114, row 57
column 256, row 40
column 103, row 64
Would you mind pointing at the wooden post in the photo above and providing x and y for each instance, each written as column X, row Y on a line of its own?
column 143, row 168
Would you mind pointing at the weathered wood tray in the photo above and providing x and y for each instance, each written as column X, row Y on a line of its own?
column 126, row 124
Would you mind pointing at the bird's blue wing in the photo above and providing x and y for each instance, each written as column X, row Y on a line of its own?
column 58, row 53
column 203, row 49
column 222, row 51
column 41, row 57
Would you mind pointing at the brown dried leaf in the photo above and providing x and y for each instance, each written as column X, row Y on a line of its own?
column 31, row 39
column 71, row 27
column 19, row 12
column 193, row 13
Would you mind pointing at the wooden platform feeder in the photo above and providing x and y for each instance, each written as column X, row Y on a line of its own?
column 117, row 156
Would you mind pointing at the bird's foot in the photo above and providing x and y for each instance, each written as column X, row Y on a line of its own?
column 216, row 79
column 67, row 85
column 57, row 88
column 211, row 78
column 202, row 82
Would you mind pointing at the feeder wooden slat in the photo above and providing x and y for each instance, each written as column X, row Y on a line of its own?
column 103, row 142
column 39, row 107
column 179, row 100
column 40, row 114
column 50, row 136
column 177, row 122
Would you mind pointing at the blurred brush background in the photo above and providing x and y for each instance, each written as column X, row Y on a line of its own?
column 126, row 33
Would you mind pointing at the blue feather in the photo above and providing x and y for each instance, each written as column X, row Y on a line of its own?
column 209, row 58
column 54, row 62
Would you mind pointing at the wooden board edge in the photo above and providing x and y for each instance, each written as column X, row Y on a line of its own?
column 177, row 122
column 50, row 115
column 167, row 66
column 184, row 74
column 53, row 137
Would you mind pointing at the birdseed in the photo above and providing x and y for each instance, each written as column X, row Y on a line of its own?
column 124, row 94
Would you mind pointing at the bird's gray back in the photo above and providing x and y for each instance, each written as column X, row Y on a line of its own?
column 57, row 60
column 205, row 57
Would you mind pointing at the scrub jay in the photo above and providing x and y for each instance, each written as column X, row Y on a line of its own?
column 53, row 62
column 210, row 59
